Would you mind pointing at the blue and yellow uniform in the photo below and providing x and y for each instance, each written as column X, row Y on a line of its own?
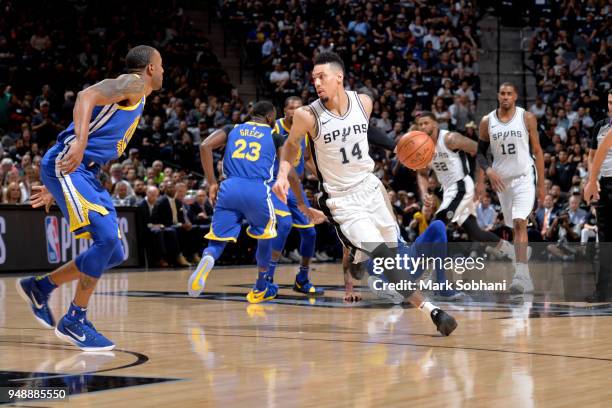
column 248, row 164
column 291, row 208
column 80, row 196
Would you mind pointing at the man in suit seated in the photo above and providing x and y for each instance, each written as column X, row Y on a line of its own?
column 199, row 214
column 545, row 216
column 153, row 234
column 201, row 210
column 169, row 212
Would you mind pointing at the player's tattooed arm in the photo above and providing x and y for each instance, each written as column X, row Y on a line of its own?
column 216, row 140
column 127, row 87
column 456, row 141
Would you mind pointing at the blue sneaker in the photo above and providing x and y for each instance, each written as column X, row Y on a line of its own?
column 82, row 334
column 38, row 301
column 307, row 288
column 258, row 296
column 197, row 280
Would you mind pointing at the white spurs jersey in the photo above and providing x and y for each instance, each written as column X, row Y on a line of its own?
column 510, row 145
column 449, row 166
column 340, row 147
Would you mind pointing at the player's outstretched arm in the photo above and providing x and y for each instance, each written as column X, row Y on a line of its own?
column 481, row 156
column 303, row 123
column 216, row 140
column 456, row 141
column 591, row 189
column 534, row 139
column 125, row 87
column 423, row 184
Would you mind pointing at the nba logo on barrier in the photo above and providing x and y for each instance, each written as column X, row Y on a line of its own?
column 53, row 242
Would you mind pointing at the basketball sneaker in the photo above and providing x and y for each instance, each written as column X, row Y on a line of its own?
column 521, row 283
column 38, row 301
column 197, row 280
column 450, row 295
column 258, row 296
column 382, row 291
column 444, row 322
column 83, row 334
column 307, row 288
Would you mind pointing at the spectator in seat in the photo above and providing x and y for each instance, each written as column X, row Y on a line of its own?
column 153, row 233
column 12, row 194
column 201, row 210
column 168, row 211
column 123, row 195
column 486, row 214
column 577, row 216
column 545, row 216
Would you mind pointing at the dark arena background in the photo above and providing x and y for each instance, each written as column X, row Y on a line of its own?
column 533, row 324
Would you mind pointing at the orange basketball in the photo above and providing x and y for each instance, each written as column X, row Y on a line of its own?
column 415, row 150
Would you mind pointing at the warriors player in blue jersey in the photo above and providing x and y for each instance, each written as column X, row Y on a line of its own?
column 248, row 164
column 288, row 214
column 105, row 117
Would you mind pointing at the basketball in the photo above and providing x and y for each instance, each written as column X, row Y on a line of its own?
column 415, row 150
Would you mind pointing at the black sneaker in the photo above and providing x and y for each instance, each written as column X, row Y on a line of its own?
column 444, row 322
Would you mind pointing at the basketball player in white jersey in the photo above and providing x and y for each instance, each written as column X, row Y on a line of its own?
column 353, row 199
column 510, row 131
column 452, row 170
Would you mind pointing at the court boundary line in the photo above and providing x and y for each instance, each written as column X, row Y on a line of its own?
column 390, row 343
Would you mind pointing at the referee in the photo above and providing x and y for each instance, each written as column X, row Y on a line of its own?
column 600, row 164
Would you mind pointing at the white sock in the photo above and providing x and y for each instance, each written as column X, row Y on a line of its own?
column 427, row 307
column 521, row 269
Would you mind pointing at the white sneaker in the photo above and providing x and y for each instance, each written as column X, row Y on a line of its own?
column 197, row 280
column 386, row 293
column 322, row 256
column 284, row 260
column 521, row 283
column 294, row 255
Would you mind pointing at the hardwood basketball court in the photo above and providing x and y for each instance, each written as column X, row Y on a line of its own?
column 219, row 351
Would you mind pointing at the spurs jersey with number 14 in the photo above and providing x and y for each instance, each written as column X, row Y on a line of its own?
column 510, row 144
column 449, row 166
column 340, row 147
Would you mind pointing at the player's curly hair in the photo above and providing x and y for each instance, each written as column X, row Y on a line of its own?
column 262, row 108
column 138, row 58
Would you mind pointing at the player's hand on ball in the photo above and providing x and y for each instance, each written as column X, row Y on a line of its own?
column 281, row 189
column 73, row 158
column 496, row 182
column 41, row 197
column 212, row 193
column 591, row 191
